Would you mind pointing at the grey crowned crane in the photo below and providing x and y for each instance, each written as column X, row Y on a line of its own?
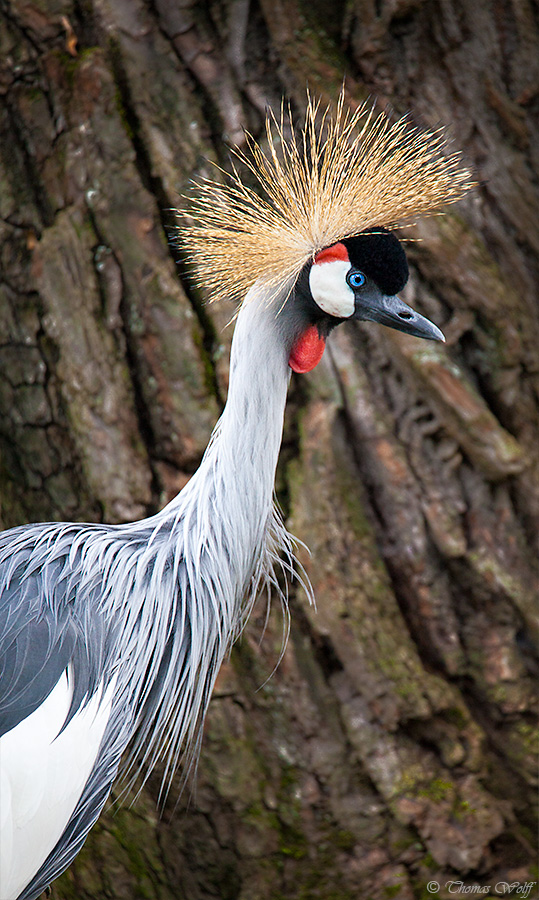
column 111, row 637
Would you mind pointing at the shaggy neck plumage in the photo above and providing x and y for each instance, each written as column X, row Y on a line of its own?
column 227, row 534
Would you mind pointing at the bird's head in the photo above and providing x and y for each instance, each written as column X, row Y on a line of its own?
column 356, row 278
column 310, row 221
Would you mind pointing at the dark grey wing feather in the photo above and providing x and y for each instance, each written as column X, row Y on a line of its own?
column 43, row 624
column 36, row 644
column 32, row 660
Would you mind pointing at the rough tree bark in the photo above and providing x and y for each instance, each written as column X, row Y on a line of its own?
column 394, row 744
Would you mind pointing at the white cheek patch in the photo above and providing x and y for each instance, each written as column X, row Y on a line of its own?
column 330, row 290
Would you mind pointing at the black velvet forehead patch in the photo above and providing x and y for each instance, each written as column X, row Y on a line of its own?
column 379, row 254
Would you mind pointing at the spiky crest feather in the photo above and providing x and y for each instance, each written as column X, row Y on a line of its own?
column 343, row 174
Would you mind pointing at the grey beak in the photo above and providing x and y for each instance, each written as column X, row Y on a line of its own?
column 393, row 312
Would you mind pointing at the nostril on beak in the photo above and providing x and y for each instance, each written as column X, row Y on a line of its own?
column 405, row 315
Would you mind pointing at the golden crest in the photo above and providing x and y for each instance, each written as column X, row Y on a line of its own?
column 342, row 174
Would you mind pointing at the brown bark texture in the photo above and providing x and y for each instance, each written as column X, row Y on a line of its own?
column 393, row 745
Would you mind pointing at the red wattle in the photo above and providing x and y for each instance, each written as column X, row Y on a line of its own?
column 307, row 351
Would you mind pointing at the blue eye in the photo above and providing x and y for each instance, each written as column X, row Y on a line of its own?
column 356, row 279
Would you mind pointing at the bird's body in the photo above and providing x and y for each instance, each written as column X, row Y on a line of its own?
column 97, row 591
column 112, row 636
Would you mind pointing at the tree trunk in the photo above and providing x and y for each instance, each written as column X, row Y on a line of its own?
column 393, row 746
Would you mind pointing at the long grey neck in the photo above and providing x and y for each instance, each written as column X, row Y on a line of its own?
column 245, row 448
column 252, row 422
column 231, row 494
